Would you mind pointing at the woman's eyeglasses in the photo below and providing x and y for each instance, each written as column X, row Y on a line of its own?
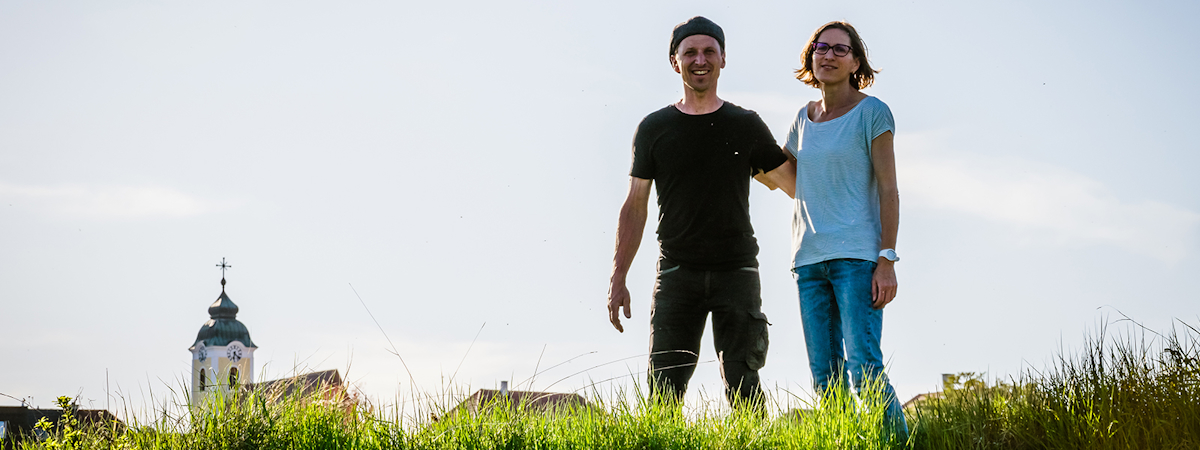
column 838, row 49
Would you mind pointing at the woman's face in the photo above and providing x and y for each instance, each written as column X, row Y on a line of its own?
column 829, row 68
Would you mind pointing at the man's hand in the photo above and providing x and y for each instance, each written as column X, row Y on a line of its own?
column 618, row 297
column 883, row 284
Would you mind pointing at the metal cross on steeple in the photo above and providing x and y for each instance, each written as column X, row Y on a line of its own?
column 223, row 265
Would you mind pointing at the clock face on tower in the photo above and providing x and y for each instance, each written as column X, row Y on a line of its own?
column 202, row 353
column 234, row 353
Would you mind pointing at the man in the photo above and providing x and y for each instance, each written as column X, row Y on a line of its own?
column 700, row 153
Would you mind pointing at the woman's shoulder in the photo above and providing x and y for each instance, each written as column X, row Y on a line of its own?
column 877, row 116
column 872, row 102
column 872, row 108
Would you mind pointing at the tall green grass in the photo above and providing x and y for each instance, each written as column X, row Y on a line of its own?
column 1119, row 392
column 252, row 422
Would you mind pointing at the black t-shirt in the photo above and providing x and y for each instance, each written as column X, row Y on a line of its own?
column 701, row 166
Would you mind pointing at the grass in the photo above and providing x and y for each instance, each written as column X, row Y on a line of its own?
column 1123, row 392
column 253, row 422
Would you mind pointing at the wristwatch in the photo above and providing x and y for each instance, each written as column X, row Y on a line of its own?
column 890, row 254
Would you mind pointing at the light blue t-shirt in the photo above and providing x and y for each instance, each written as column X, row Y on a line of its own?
column 836, row 211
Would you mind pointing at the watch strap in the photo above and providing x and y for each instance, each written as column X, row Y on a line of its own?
column 890, row 254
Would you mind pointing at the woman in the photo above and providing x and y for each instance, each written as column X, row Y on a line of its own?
column 846, row 215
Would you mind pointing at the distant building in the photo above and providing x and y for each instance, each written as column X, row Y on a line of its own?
column 530, row 400
column 920, row 398
column 223, row 362
column 223, row 353
column 949, row 380
column 16, row 422
column 324, row 387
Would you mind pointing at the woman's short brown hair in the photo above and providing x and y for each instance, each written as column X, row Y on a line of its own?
column 859, row 79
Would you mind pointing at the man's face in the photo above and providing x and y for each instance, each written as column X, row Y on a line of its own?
column 700, row 60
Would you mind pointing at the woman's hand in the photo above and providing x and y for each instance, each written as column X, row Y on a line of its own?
column 883, row 284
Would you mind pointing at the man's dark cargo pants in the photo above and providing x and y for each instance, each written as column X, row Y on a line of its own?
column 683, row 298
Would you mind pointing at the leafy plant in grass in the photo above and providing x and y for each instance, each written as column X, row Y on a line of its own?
column 67, row 434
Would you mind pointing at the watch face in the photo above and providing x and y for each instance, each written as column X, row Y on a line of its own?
column 234, row 353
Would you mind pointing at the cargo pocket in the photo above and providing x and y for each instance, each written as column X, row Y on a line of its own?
column 756, row 358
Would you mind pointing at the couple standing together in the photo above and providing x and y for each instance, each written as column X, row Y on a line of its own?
column 838, row 165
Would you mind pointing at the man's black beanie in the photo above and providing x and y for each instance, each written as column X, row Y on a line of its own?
column 694, row 26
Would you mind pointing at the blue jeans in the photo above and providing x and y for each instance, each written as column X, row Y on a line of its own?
column 840, row 324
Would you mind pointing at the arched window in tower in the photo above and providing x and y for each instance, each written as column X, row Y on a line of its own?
column 233, row 376
column 203, row 381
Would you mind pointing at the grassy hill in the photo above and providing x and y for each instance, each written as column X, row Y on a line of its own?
column 1120, row 392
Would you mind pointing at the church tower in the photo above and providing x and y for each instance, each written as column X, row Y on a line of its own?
column 223, row 354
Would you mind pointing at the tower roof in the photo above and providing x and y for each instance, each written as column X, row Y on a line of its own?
column 223, row 326
column 223, row 308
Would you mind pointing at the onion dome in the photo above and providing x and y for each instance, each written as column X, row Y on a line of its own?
column 223, row 326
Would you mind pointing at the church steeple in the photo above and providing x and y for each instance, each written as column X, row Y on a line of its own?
column 223, row 353
column 223, row 326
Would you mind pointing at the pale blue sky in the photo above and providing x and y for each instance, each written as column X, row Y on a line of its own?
column 463, row 163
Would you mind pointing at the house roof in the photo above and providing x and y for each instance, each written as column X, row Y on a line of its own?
column 305, row 385
column 540, row 401
column 21, row 419
column 920, row 398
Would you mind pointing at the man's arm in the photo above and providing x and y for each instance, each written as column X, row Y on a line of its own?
column 883, row 159
column 630, row 225
column 782, row 177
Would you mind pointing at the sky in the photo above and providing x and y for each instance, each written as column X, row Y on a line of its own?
column 460, row 165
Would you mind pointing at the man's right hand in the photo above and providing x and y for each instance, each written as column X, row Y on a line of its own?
column 618, row 297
